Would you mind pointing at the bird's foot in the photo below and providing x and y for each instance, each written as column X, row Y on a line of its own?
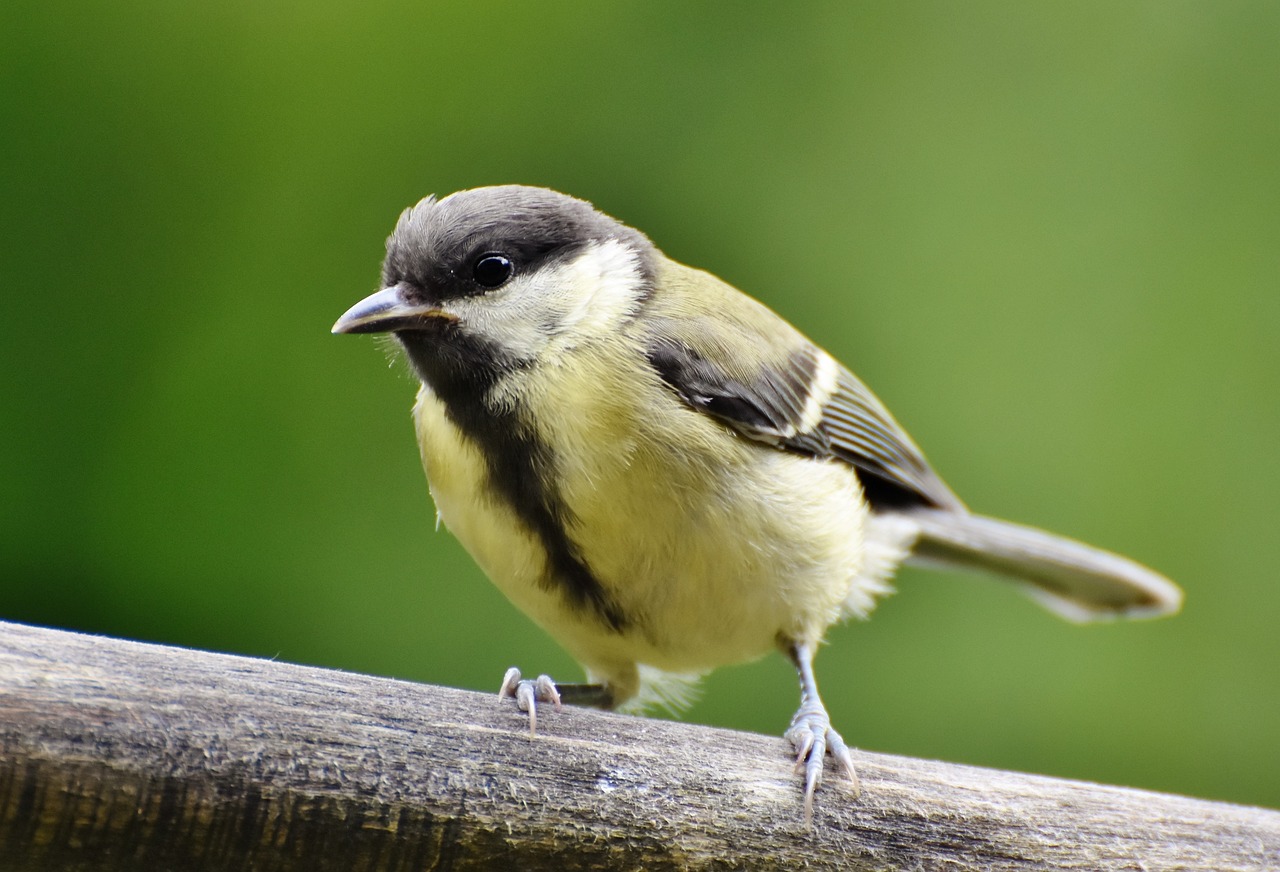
column 528, row 693
column 812, row 737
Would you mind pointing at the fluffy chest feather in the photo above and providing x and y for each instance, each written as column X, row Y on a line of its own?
column 708, row 545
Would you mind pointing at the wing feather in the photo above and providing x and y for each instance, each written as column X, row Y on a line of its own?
column 862, row 432
column 807, row 403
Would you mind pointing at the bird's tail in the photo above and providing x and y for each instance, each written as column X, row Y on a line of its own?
column 1076, row 581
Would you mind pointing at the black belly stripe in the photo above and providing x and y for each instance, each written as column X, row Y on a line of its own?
column 519, row 465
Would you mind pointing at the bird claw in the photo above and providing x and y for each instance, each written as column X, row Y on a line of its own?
column 528, row 693
column 812, row 737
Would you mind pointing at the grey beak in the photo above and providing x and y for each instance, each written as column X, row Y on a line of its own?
column 387, row 311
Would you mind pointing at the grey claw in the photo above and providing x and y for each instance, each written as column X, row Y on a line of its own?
column 509, row 682
column 528, row 693
column 807, row 740
column 812, row 737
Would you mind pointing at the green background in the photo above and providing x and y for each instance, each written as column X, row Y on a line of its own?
column 1047, row 235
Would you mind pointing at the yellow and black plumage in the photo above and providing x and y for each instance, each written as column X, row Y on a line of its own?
column 662, row 472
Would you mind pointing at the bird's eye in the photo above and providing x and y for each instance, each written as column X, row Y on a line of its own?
column 492, row 270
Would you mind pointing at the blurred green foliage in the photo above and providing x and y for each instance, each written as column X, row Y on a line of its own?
column 1047, row 234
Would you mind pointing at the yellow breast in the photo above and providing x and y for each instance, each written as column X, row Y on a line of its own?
column 710, row 544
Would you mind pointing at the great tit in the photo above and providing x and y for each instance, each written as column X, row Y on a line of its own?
column 663, row 473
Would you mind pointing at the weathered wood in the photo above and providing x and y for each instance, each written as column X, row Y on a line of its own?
column 119, row 755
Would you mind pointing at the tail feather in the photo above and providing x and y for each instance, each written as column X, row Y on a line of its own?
column 1077, row 581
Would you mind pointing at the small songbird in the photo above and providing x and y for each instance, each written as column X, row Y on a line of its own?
column 663, row 473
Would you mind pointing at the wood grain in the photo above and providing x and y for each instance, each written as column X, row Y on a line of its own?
column 122, row 756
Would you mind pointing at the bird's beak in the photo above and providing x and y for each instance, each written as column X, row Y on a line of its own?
column 387, row 311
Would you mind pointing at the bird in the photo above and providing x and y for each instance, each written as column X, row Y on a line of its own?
column 662, row 472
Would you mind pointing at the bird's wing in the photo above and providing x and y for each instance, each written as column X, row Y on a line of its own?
column 801, row 400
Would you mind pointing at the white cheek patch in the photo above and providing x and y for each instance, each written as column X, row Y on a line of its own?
column 602, row 289
column 559, row 306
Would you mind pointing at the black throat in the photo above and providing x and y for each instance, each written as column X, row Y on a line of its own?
column 462, row 373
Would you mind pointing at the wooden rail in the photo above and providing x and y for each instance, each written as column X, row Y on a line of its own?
column 119, row 755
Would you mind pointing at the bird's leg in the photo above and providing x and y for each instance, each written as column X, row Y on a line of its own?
column 529, row 692
column 811, row 734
